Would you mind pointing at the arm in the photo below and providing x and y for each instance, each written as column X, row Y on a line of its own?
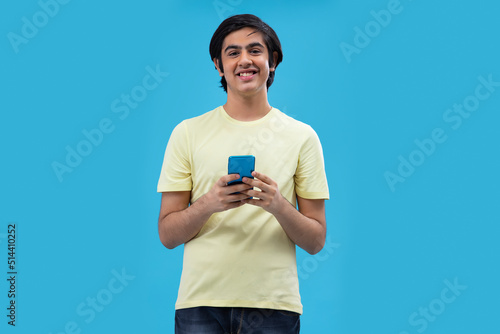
column 305, row 227
column 180, row 222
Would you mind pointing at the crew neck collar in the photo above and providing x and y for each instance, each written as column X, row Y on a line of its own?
column 246, row 123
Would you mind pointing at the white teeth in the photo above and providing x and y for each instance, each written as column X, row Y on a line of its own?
column 246, row 74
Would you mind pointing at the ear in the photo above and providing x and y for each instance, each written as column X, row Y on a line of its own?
column 216, row 63
column 275, row 59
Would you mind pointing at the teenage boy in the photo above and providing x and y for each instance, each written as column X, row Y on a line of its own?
column 239, row 271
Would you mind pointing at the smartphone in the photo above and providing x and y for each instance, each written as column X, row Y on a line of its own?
column 241, row 164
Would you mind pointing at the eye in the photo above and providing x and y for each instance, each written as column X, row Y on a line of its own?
column 255, row 51
column 232, row 53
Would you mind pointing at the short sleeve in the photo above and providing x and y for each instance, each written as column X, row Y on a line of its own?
column 176, row 169
column 310, row 176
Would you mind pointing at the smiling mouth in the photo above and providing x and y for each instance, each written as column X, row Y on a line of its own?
column 246, row 74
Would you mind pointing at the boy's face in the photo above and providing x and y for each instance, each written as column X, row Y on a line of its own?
column 245, row 60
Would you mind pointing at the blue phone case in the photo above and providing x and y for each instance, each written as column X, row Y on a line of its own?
column 241, row 164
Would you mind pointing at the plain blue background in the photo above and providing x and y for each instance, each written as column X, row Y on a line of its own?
column 389, row 252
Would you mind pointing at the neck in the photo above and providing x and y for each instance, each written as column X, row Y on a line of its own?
column 247, row 108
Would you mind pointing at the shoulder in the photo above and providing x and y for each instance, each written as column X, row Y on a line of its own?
column 292, row 125
column 195, row 124
column 202, row 119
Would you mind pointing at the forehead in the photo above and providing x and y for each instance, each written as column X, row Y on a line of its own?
column 243, row 37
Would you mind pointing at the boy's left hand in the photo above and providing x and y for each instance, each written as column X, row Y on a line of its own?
column 269, row 197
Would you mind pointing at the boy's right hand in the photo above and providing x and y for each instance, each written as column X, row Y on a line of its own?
column 222, row 197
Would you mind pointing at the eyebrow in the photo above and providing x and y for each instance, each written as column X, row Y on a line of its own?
column 237, row 47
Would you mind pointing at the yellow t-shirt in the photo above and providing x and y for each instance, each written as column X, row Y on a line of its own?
column 242, row 257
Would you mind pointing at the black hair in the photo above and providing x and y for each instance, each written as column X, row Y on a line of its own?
column 238, row 22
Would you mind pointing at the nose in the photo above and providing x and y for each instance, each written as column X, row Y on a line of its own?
column 245, row 59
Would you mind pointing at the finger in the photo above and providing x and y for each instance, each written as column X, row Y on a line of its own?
column 256, row 183
column 248, row 180
column 234, row 205
column 236, row 198
column 234, row 188
column 240, row 197
column 228, row 178
column 252, row 201
column 253, row 193
column 263, row 177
